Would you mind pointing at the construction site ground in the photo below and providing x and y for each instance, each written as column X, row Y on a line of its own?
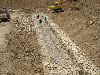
column 65, row 43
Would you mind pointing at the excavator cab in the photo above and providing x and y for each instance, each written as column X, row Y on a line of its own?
column 56, row 6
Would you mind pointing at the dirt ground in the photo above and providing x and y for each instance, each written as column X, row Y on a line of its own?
column 81, row 25
column 3, row 51
column 19, row 50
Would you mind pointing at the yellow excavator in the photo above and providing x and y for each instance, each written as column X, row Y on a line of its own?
column 56, row 6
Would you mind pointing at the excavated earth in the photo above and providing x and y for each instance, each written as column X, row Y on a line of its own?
column 30, row 48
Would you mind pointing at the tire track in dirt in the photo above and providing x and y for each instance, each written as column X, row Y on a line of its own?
column 4, row 54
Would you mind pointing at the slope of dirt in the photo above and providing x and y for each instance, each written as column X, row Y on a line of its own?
column 82, row 26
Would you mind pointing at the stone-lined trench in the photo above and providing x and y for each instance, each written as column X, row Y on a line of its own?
column 61, row 56
column 42, row 48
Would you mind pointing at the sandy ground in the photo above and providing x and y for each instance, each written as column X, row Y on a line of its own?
column 19, row 49
column 81, row 26
column 4, row 54
column 23, row 52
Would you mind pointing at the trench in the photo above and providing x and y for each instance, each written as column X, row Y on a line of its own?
column 60, row 55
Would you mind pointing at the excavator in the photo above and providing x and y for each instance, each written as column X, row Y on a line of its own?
column 56, row 6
